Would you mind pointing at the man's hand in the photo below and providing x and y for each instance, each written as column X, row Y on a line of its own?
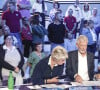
column 78, row 78
column 97, row 76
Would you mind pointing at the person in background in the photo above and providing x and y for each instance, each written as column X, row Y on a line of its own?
column 35, row 57
column 86, row 13
column 70, row 43
column 41, row 7
column 50, row 68
column 1, row 35
column 13, row 20
column 38, row 30
column 6, row 31
column 92, row 37
column 56, row 7
column 77, row 13
column 80, row 64
column 13, row 56
column 85, row 27
column 96, row 19
column 70, row 23
column 26, row 36
column 24, row 7
column 56, row 31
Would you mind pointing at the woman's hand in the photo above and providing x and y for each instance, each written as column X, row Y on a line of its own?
column 16, row 69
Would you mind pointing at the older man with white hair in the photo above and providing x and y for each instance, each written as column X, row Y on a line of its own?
column 80, row 64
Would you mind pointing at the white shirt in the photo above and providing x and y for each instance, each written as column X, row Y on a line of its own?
column 96, row 20
column 52, row 13
column 83, row 67
column 94, row 36
column 86, row 15
column 13, row 57
column 38, row 7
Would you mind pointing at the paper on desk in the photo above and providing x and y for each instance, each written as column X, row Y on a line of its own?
column 4, row 89
column 34, row 87
column 62, row 86
column 86, row 83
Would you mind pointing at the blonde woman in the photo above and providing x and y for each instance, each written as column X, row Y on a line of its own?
column 49, row 68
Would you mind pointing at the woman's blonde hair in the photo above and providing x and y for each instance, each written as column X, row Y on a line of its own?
column 59, row 53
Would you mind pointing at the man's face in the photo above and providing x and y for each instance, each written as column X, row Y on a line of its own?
column 59, row 16
column 82, row 47
column 11, row 7
column 70, row 12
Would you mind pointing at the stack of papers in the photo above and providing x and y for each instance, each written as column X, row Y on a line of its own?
column 86, row 83
column 62, row 86
column 34, row 87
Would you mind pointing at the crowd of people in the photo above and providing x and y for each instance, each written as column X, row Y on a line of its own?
column 22, row 35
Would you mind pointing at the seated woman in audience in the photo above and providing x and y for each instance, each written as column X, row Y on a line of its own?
column 50, row 68
column 35, row 57
column 13, row 56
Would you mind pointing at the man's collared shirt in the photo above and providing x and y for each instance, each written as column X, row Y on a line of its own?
column 83, row 67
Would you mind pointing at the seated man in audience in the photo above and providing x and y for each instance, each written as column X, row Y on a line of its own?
column 50, row 68
column 80, row 64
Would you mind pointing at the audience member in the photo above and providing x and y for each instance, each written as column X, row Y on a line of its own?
column 24, row 7
column 37, row 29
column 77, row 13
column 86, row 13
column 85, row 27
column 92, row 37
column 41, row 7
column 80, row 64
column 96, row 18
column 70, row 23
column 7, row 32
column 1, row 35
column 50, row 68
column 12, row 19
column 12, row 56
column 56, row 7
column 70, row 43
column 35, row 57
column 56, row 31
column 26, row 36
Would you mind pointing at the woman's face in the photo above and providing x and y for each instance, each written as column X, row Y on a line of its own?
column 9, row 41
column 56, row 6
column 60, row 62
column 39, row 48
